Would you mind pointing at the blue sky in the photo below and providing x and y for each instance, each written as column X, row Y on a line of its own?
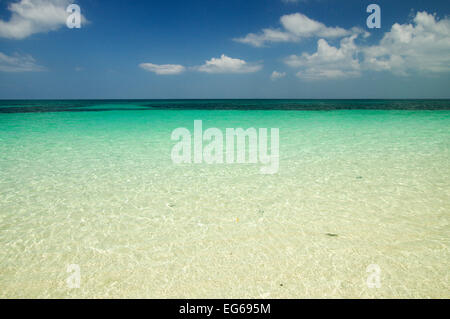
column 224, row 49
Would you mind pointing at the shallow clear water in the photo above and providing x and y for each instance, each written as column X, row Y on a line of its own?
column 92, row 183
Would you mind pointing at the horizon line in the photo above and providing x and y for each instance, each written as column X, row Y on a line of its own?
column 193, row 99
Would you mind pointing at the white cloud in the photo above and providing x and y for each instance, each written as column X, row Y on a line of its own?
column 225, row 64
column 295, row 27
column 34, row 16
column 18, row 63
column 423, row 46
column 266, row 35
column 328, row 62
column 302, row 26
column 163, row 69
column 277, row 75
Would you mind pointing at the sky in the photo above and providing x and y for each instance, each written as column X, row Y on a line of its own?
column 224, row 49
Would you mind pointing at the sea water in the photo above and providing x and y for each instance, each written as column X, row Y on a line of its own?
column 92, row 184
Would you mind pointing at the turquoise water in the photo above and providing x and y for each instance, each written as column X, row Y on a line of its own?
column 92, row 183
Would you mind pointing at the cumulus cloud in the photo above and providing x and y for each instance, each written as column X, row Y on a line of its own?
column 163, row 69
column 225, row 64
column 277, row 75
column 34, row 16
column 18, row 63
column 302, row 26
column 294, row 27
column 422, row 46
column 328, row 62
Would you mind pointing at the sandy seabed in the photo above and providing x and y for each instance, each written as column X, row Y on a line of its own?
column 354, row 188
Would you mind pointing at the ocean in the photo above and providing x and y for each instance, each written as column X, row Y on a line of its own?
column 93, row 206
